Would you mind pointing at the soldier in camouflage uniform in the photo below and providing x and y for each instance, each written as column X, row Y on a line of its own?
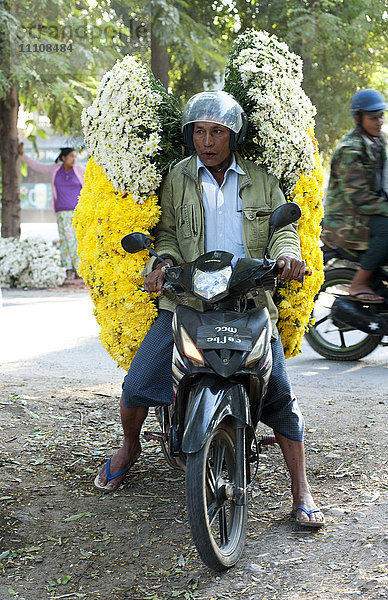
column 356, row 207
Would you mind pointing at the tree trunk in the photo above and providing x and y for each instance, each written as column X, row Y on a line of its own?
column 160, row 63
column 10, row 167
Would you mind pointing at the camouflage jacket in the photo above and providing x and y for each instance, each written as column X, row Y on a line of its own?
column 352, row 195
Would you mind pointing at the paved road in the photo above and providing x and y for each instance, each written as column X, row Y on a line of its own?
column 53, row 333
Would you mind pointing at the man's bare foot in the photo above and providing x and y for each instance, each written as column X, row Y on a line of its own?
column 309, row 517
column 120, row 462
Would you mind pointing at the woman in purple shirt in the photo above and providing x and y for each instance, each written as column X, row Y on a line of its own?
column 67, row 180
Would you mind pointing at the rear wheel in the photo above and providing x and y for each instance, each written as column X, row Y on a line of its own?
column 332, row 340
column 217, row 523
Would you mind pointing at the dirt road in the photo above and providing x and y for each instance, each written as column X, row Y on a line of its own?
column 62, row 539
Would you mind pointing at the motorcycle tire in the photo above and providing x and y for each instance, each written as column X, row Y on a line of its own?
column 336, row 341
column 218, row 525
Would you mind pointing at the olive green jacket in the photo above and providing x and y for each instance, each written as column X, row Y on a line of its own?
column 180, row 233
column 353, row 196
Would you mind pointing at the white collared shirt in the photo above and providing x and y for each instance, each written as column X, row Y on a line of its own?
column 222, row 209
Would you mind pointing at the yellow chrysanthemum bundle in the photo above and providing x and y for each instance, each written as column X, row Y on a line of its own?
column 102, row 218
column 296, row 301
column 124, row 128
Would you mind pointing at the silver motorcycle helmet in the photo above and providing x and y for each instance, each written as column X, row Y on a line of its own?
column 214, row 107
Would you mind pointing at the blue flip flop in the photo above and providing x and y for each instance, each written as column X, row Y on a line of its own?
column 103, row 488
column 314, row 524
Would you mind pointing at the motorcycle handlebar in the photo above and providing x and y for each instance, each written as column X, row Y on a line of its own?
column 167, row 286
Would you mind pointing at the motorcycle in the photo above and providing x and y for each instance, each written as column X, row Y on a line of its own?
column 345, row 328
column 222, row 361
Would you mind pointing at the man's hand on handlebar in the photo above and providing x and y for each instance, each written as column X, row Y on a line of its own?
column 291, row 269
column 153, row 283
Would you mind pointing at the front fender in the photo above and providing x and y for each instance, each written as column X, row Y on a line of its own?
column 210, row 401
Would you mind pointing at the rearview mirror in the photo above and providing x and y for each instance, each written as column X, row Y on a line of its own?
column 285, row 215
column 134, row 242
column 282, row 215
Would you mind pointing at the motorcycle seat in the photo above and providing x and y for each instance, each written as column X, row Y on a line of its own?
column 337, row 252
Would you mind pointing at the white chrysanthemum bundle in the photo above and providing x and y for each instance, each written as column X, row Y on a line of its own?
column 265, row 77
column 31, row 263
column 123, row 130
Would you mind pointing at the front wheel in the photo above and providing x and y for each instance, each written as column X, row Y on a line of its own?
column 337, row 341
column 218, row 524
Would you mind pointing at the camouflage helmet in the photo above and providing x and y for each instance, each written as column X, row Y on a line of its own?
column 368, row 101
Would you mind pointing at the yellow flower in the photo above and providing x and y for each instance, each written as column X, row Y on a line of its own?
column 296, row 301
column 102, row 218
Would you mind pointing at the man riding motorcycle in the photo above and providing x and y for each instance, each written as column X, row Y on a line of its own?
column 214, row 200
column 356, row 206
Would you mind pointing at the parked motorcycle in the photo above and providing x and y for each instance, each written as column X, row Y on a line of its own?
column 345, row 328
column 222, row 361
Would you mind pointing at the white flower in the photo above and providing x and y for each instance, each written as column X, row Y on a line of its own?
column 32, row 263
column 283, row 114
column 122, row 128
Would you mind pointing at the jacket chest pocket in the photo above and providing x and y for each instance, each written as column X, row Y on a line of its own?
column 187, row 222
column 255, row 227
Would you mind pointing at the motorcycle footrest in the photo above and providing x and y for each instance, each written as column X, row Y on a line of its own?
column 155, row 435
column 267, row 440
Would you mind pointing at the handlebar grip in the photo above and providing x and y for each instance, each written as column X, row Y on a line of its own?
column 307, row 272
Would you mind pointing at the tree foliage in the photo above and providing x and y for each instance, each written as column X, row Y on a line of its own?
column 343, row 44
column 196, row 37
column 55, row 51
column 52, row 52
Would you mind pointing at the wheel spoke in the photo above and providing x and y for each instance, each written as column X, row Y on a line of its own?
column 210, row 479
column 342, row 338
column 223, row 526
column 219, row 453
column 212, row 512
column 317, row 323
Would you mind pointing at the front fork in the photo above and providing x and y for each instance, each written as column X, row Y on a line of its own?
column 241, row 465
column 243, row 458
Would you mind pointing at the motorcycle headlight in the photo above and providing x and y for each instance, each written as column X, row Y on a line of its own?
column 211, row 284
column 258, row 349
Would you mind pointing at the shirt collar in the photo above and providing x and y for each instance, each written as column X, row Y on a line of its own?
column 232, row 167
column 370, row 142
